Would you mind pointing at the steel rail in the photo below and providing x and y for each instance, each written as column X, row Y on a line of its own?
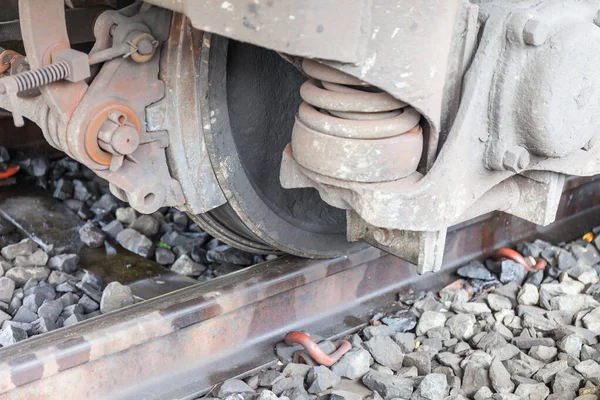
column 179, row 345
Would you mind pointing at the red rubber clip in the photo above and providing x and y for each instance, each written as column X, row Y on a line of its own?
column 504, row 252
column 301, row 338
column 10, row 170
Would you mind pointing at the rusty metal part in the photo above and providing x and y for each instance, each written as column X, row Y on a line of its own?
column 343, row 346
column 588, row 237
column 347, row 129
column 151, row 349
column 7, row 58
column 95, row 128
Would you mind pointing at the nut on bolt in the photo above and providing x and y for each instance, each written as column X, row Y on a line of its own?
column 516, row 160
column 535, row 32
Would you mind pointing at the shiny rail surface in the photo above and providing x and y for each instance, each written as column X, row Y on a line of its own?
column 180, row 344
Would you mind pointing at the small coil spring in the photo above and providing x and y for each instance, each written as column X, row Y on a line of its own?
column 347, row 129
column 41, row 76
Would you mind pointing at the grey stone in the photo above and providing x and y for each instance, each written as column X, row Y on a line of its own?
column 51, row 309
column 321, row 378
column 500, row 377
column 475, row 270
column 544, row 354
column 510, row 291
column 229, row 255
column 105, row 205
column 566, row 382
column 491, row 340
column 405, row 340
column 566, row 260
column 64, row 262
column 441, row 333
column 429, row 320
column 497, row 302
column 87, row 304
column 43, row 325
column 25, row 315
column 65, row 287
column 385, row 351
column 297, row 393
column 147, row 225
column 571, row 344
column 471, row 308
column 46, row 290
column 10, row 335
column 33, row 301
column 7, row 288
column 526, row 343
column 402, row 321
column 287, row 383
column 20, row 275
column 589, row 369
column 92, row 279
column 549, row 371
column 462, row 326
column 421, row 360
column 510, row 271
column 408, row 372
column 539, row 323
column 25, row 247
column 4, row 317
column 57, row 277
column 113, row 228
column 591, row 321
column 269, row 377
column 296, row 369
column 354, row 364
column 483, row 393
column 378, row 330
column 523, row 365
column 186, row 266
column 39, row 257
column 164, row 256
column 505, row 352
column 573, row 303
column 126, row 215
column 474, row 377
column 14, row 305
column 69, row 299
column 115, row 296
column 91, row 235
column 388, row 386
column 529, row 391
column 135, row 242
column 528, row 295
column 73, row 319
column 570, row 360
column 432, row 387
column 345, row 395
column 550, row 290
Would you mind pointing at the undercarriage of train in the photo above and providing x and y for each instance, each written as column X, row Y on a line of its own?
column 314, row 127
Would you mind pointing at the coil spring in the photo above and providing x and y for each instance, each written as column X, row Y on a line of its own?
column 350, row 130
column 41, row 76
column 361, row 111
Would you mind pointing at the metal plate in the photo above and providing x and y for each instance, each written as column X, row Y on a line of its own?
column 252, row 96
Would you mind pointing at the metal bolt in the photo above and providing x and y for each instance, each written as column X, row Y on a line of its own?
column 118, row 138
column 382, row 236
column 535, row 32
column 516, row 159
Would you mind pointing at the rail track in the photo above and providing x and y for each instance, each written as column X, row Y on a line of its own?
column 179, row 345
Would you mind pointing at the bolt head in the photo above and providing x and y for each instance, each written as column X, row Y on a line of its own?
column 535, row 32
column 516, row 160
column 125, row 140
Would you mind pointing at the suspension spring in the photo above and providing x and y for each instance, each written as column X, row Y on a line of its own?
column 350, row 130
column 41, row 76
